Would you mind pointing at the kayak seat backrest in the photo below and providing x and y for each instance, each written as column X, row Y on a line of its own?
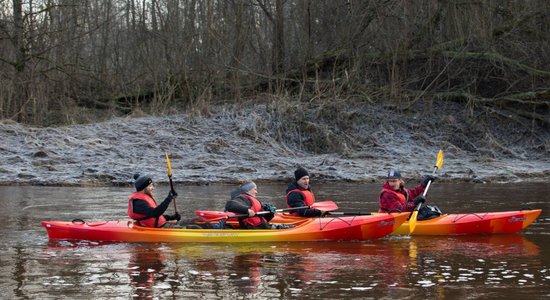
column 428, row 212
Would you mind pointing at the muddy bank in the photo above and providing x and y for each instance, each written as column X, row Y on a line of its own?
column 266, row 142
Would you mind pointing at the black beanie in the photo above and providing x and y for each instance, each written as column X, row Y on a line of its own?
column 300, row 172
column 141, row 181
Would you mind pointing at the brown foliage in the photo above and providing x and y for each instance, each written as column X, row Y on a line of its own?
column 81, row 61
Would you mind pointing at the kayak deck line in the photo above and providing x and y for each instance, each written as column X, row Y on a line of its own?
column 511, row 220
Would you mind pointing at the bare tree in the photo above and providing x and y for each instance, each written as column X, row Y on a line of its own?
column 65, row 61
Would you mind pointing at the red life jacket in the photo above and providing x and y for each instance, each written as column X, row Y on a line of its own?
column 400, row 196
column 142, row 219
column 308, row 196
column 256, row 207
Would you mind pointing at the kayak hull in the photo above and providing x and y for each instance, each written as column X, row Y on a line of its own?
column 473, row 223
column 313, row 229
column 457, row 224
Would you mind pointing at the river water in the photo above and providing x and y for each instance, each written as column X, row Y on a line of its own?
column 499, row 266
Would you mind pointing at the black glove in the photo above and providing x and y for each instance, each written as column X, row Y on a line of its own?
column 426, row 179
column 270, row 208
column 175, row 216
column 324, row 213
column 172, row 195
column 419, row 199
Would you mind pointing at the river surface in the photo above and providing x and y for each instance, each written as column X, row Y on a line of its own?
column 500, row 266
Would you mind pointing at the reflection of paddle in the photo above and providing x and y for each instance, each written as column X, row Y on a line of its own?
column 209, row 215
column 414, row 216
column 170, row 178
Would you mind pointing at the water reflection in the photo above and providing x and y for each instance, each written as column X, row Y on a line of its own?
column 390, row 267
column 145, row 267
column 477, row 245
column 517, row 266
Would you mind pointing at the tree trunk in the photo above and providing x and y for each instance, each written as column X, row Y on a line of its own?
column 237, row 50
column 279, row 39
column 19, row 82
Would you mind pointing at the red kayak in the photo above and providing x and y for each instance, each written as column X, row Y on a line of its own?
column 313, row 229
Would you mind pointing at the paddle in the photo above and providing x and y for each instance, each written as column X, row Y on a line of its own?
column 349, row 213
column 414, row 216
column 170, row 178
column 209, row 215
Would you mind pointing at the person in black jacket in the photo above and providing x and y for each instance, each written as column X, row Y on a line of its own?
column 243, row 201
column 299, row 194
column 143, row 207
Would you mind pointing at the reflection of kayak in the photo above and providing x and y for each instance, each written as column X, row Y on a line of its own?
column 459, row 224
column 394, row 247
column 314, row 229
column 484, row 246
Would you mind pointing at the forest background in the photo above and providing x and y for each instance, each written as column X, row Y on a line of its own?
column 344, row 87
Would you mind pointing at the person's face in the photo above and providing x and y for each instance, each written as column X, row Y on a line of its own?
column 253, row 192
column 304, row 182
column 149, row 189
column 395, row 184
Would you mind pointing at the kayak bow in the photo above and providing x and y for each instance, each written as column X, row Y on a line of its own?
column 473, row 223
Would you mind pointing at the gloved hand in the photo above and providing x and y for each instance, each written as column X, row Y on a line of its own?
column 175, row 216
column 426, row 179
column 419, row 199
column 172, row 195
column 324, row 213
column 270, row 208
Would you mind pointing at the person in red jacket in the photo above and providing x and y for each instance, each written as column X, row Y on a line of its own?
column 143, row 207
column 394, row 197
column 243, row 201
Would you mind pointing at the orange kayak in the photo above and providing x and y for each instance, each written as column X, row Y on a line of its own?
column 474, row 223
column 313, row 229
column 457, row 224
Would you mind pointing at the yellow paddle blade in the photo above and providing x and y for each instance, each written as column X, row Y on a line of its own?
column 168, row 165
column 412, row 221
column 439, row 161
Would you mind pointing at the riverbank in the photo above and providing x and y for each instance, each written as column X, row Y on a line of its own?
column 266, row 142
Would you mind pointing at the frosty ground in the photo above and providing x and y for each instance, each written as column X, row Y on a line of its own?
column 261, row 142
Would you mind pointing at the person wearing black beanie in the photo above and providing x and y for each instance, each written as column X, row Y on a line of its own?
column 141, row 181
column 299, row 194
column 300, row 173
column 143, row 207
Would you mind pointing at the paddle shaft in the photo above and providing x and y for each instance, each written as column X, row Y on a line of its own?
column 267, row 212
column 325, row 205
column 169, row 167
column 414, row 215
column 429, row 183
column 209, row 216
column 348, row 213
column 173, row 191
column 426, row 190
